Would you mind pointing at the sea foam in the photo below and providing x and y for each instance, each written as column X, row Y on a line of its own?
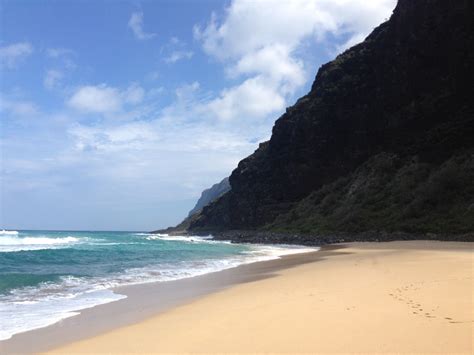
column 28, row 315
column 12, row 243
column 4, row 232
column 46, row 303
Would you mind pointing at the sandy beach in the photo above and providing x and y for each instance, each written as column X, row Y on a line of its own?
column 367, row 297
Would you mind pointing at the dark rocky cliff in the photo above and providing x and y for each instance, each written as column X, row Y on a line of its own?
column 400, row 100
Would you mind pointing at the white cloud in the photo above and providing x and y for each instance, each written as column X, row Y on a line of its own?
column 59, row 52
column 276, row 63
column 174, row 155
column 105, row 99
column 186, row 93
column 62, row 59
column 176, row 41
column 18, row 108
column 64, row 55
column 157, row 135
column 254, row 98
column 136, row 25
column 186, row 126
column 176, row 50
column 260, row 41
column 124, row 137
column 252, row 25
column 178, row 55
column 13, row 54
column 100, row 99
column 52, row 79
column 134, row 94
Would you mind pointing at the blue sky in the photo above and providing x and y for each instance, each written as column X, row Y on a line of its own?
column 115, row 115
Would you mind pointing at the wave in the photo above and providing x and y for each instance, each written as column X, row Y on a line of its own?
column 181, row 238
column 13, row 243
column 25, row 311
column 269, row 252
column 191, row 268
column 43, row 304
column 35, row 307
column 4, row 232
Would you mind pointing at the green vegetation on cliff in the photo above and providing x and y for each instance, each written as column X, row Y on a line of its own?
column 390, row 194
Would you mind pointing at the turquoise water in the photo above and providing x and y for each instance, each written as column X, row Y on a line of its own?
column 46, row 276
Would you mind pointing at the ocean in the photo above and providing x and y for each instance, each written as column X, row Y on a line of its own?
column 46, row 276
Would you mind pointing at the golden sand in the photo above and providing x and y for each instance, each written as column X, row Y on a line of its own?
column 368, row 297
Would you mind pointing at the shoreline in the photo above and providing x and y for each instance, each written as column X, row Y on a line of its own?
column 312, row 239
column 145, row 300
column 268, row 237
column 391, row 297
column 410, row 297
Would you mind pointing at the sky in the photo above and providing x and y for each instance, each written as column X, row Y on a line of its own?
column 115, row 115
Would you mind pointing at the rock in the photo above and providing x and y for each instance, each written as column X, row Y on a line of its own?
column 211, row 194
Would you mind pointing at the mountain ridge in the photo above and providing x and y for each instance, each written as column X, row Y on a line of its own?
column 210, row 194
column 402, row 93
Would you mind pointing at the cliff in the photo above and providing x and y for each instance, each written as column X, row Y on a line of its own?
column 210, row 194
column 383, row 141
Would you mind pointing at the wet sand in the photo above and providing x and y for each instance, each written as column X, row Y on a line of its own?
column 146, row 300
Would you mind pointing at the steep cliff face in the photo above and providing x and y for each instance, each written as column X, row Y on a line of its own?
column 210, row 194
column 405, row 92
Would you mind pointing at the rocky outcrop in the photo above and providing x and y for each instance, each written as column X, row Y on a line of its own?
column 207, row 196
column 402, row 95
column 211, row 194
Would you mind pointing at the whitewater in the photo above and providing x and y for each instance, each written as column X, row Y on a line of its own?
column 47, row 276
